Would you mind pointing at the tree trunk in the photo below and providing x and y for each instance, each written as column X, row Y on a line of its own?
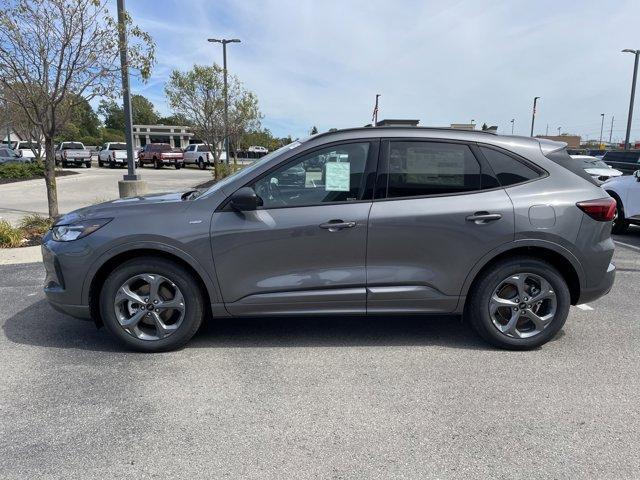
column 50, row 177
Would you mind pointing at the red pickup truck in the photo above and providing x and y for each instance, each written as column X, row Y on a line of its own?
column 159, row 155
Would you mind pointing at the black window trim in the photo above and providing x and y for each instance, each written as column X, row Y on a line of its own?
column 382, row 175
column 369, row 172
column 542, row 173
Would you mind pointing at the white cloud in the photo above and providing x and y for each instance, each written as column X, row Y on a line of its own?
column 321, row 63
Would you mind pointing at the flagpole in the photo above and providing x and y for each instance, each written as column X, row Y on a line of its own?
column 374, row 118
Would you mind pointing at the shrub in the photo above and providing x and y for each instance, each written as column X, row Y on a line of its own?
column 22, row 170
column 9, row 236
column 35, row 224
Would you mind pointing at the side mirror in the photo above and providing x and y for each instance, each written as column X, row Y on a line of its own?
column 245, row 199
column 637, row 175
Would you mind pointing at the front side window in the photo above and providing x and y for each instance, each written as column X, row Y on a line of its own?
column 429, row 168
column 508, row 170
column 332, row 174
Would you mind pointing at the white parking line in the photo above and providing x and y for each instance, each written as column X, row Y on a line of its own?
column 632, row 247
column 584, row 306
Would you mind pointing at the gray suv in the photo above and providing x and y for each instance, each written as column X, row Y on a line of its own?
column 506, row 231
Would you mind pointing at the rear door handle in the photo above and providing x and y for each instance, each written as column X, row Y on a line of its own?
column 480, row 218
column 335, row 225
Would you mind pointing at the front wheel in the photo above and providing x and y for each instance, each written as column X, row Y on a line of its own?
column 518, row 304
column 151, row 304
column 620, row 223
column 201, row 164
column 157, row 164
column 87, row 164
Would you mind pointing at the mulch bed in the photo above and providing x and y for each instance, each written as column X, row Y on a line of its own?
column 61, row 173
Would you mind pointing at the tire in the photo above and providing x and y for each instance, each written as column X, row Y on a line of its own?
column 112, row 165
column 201, row 164
column 100, row 164
column 87, row 164
column 620, row 223
column 157, row 164
column 64, row 164
column 478, row 310
column 175, row 275
column 178, row 166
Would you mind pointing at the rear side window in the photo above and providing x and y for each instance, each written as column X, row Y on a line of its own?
column 429, row 168
column 508, row 170
column 562, row 158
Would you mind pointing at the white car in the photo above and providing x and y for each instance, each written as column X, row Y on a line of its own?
column 595, row 167
column 257, row 149
column 198, row 154
column 26, row 149
column 626, row 192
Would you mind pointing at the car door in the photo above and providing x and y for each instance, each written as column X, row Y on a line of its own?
column 438, row 209
column 303, row 250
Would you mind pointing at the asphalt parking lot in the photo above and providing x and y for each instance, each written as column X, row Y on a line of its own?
column 89, row 186
column 389, row 397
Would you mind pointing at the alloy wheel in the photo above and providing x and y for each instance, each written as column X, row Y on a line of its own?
column 522, row 305
column 149, row 306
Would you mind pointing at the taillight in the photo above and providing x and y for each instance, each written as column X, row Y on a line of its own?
column 602, row 210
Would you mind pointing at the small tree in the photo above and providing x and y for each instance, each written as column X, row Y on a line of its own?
column 54, row 53
column 244, row 116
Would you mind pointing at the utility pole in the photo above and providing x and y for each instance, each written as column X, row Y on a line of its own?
column 546, row 132
column 374, row 118
column 533, row 116
column 633, row 94
column 7, row 121
column 512, row 122
column 611, row 130
column 601, row 129
column 224, row 42
column 559, row 128
column 131, row 184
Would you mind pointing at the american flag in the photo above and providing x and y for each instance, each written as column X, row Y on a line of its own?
column 375, row 112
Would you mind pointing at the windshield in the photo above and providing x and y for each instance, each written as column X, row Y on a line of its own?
column 117, row 146
column 247, row 170
column 72, row 146
column 27, row 145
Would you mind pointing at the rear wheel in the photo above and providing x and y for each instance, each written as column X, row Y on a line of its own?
column 100, row 164
column 87, row 164
column 178, row 166
column 64, row 164
column 518, row 303
column 151, row 304
column 157, row 164
column 112, row 165
column 201, row 164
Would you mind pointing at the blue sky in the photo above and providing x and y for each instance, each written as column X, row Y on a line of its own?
column 321, row 63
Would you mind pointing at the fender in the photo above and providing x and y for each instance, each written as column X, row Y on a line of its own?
column 210, row 282
column 480, row 264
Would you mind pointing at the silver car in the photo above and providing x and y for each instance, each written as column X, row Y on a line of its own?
column 506, row 231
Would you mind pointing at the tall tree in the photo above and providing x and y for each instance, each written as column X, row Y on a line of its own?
column 142, row 112
column 54, row 53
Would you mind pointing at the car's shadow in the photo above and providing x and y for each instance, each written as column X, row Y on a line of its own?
column 40, row 325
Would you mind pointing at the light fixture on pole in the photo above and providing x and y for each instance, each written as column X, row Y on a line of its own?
column 224, row 42
column 513, row 120
column 633, row 94
column 533, row 115
column 601, row 129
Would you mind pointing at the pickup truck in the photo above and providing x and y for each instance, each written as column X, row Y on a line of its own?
column 159, row 155
column 72, row 153
column 29, row 149
column 113, row 154
column 198, row 154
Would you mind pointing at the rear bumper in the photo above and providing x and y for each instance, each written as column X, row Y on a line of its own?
column 593, row 293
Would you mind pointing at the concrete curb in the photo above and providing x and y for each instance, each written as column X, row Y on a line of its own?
column 13, row 256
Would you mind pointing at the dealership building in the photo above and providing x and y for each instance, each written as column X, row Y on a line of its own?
column 176, row 136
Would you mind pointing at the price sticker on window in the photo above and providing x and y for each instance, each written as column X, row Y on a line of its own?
column 337, row 176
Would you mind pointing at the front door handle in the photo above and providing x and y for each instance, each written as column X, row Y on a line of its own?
column 480, row 218
column 335, row 225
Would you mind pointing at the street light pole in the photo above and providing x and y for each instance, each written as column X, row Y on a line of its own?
column 559, row 128
column 533, row 116
column 224, row 42
column 512, row 122
column 633, row 94
column 611, row 130
column 601, row 129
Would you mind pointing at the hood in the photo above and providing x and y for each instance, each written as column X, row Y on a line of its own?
column 135, row 205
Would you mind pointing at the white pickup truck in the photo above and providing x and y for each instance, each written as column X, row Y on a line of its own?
column 29, row 149
column 73, row 153
column 113, row 154
column 626, row 192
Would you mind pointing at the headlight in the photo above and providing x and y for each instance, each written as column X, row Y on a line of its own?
column 73, row 231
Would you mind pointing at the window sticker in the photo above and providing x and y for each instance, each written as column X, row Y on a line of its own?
column 337, row 177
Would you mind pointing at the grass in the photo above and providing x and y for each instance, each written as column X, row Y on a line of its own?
column 29, row 232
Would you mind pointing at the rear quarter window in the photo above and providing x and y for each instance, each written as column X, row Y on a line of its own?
column 508, row 169
column 562, row 158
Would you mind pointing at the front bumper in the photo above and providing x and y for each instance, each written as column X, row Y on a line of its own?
column 593, row 293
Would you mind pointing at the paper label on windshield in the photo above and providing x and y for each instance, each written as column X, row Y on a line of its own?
column 337, row 177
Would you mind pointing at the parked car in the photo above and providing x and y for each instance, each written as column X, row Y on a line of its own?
column 72, row 153
column 113, row 154
column 159, row 155
column 198, row 154
column 506, row 231
column 257, row 149
column 626, row 192
column 627, row 161
column 595, row 167
column 27, row 149
column 8, row 155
